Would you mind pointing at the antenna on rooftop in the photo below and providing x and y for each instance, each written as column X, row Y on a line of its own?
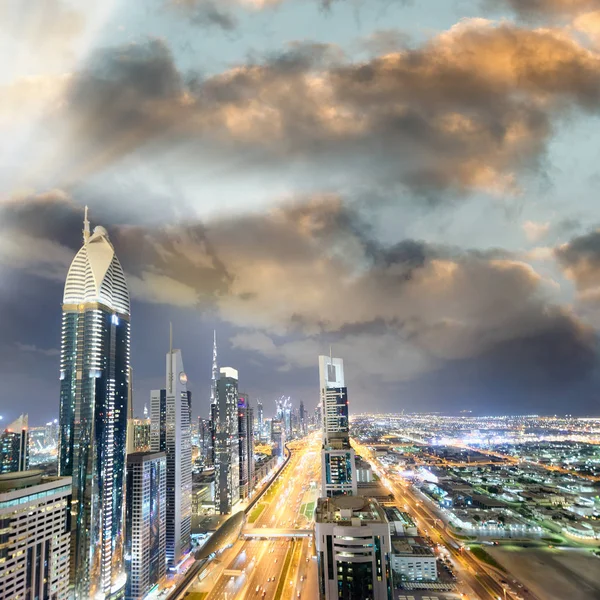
column 86, row 225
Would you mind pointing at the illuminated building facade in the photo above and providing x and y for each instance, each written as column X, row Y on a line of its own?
column 353, row 543
column 14, row 446
column 35, row 539
column 338, row 461
column 94, row 390
column 145, row 540
column 171, row 433
column 246, row 445
column 227, row 444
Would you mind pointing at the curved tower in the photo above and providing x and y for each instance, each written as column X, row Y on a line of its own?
column 94, row 390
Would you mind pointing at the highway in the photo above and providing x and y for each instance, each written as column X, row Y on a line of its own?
column 479, row 580
column 281, row 568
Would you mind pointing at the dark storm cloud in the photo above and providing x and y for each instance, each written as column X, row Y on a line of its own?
column 580, row 258
column 315, row 268
column 546, row 8
column 471, row 110
column 206, row 13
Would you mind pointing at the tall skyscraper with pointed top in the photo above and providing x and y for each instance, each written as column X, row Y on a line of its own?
column 170, row 432
column 94, row 390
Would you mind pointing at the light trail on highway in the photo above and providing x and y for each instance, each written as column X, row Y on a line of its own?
column 282, row 568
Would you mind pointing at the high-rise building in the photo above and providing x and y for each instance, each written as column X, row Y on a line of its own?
column 278, row 437
column 260, row 421
column 205, row 440
column 338, row 469
column 213, row 403
column 243, row 434
column 284, row 414
column 94, row 388
column 250, row 448
column 246, row 444
column 227, row 446
column 302, row 415
column 145, row 518
column 353, row 543
column 170, row 432
column 35, row 538
column 14, row 446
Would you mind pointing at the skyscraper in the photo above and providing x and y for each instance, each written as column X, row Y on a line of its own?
column 227, row 448
column 302, row 419
column 145, row 541
column 213, row 402
column 250, row 447
column 243, row 443
column 338, row 470
column 246, row 445
column 260, row 420
column 205, row 440
column 170, row 432
column 352, row 533
column 278, row 437
column 14, row 446
column 94, row 387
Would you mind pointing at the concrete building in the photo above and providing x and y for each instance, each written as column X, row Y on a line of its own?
column 94, row 399
column 35, row 539
column 412, row 561
column 338, row 460
column 145, row 522
column 170, row 432
column 227, row 444
column 14, row 446
column 352, row 538
column 364, row 472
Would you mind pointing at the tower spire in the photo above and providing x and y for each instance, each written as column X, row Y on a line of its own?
column 215, row 371
column 86, row 226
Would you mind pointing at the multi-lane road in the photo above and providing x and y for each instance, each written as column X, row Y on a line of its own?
column 478, row 581
column 282, row 568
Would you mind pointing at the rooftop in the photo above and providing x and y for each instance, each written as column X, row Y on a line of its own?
column 349, row 510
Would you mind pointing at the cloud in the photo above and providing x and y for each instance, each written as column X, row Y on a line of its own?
column 312, row 272
column 580, row 259
column 549, row 8
column 471, row 110
column 206, row 13
column 535, row 231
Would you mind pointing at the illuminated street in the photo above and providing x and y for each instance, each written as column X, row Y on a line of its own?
column 261, row 567
column 475, row 579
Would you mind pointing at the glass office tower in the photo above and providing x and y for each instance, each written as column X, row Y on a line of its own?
column 94, row 395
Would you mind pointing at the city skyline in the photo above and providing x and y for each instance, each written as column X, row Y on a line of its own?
column 412, row 185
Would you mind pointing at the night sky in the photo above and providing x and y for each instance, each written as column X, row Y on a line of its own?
column 412, row 182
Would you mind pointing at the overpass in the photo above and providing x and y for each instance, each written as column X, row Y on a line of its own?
column 265, row 532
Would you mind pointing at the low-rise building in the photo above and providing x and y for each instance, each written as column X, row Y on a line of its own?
column 413, row 561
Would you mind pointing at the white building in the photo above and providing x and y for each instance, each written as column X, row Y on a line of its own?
column 170, row 432
column 352, row 538
column 35, row 541
column 338, row 460
column 412, row 562
column 145, row 530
